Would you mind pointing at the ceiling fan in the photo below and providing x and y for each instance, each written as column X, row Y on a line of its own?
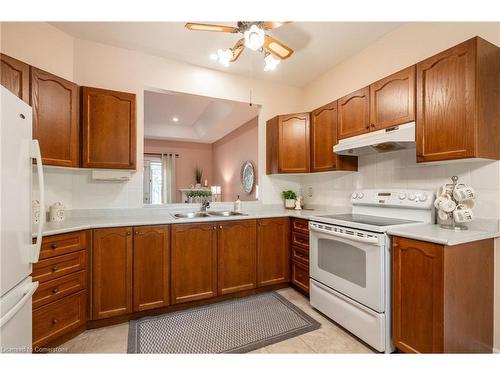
column 254, row 37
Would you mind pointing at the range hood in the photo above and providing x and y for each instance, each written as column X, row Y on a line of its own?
column 384, row 140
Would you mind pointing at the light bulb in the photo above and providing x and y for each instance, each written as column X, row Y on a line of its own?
column 254, row 37
column 271, row 62
column 225, row 56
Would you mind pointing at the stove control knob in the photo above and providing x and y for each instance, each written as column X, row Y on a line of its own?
column 423, row 197
column 360, row 195
column 411, row 197
column 354, row 195
column 402, row 196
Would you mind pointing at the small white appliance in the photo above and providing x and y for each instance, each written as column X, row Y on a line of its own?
column 17, row 253
column 385, row 140
column 350, row 260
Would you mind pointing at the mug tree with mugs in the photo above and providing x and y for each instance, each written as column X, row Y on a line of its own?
column 454, row 204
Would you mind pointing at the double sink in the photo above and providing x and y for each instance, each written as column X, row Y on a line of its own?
column 202, row 214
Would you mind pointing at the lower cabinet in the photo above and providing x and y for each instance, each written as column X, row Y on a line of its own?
column 442, row 297
column 273, row 251
column 111, row 272
column 194, row 262
column 237, row 256
column 151, row 277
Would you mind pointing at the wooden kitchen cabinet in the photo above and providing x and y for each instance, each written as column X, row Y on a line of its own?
column 442, row 298
column 354, row 113
column 237, row 256
column 457, row 103
column 151, row 276
column 324, row 121
column 392, row 100
column 108, row 129
column 55, row 118
column 273, row 251
column 288, row 149
column 112, row 272
column 194, row 262
column 15, row 76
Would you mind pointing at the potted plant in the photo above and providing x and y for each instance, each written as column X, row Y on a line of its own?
column 198, row 174
column 289, row 197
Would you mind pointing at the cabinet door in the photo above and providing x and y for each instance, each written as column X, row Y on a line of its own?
column 273, row 251
column 293, row 143
column 55, row 118
column 323, row 137
column 151, row 267
column 417, row 301
column 111, row 272
column 445, row 104
column 109, row 129
column 15, row 76
column 194, row 262
column 354, row 112
column 237, row 256
column 392, row 99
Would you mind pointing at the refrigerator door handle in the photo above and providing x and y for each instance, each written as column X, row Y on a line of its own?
column 35, row 248
column 27, row 295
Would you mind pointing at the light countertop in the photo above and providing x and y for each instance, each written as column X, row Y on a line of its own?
column 479, row 229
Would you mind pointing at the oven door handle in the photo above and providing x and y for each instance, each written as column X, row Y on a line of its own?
column 346, row 236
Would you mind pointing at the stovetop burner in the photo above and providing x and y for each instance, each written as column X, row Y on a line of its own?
column 368, row 219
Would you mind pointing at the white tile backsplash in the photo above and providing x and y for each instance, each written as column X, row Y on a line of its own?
column 400, row 170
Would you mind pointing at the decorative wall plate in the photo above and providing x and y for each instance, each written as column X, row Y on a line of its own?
column 247, row 176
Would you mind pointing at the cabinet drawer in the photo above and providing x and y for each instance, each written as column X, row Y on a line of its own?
column 300, row 276
column 58, row 318
column 55, row 267
column 300, row 239
column 53, row 290
column 300, row 254
column 60, row 244
column 300, row 225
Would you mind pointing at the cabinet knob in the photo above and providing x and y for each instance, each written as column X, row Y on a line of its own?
column 54, row 246
column 215, row 227
column 367, row 126
column 55, row 290
column 54, row 269
column 220, row 226
column 129, row 233
column 55, row 321
column 136, row 232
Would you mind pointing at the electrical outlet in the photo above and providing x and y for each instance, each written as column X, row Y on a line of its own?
column 310, row 191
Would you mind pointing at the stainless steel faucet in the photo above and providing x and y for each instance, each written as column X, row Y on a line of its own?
column 205, row 204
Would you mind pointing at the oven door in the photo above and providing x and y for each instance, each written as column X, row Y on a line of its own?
column 350, row 261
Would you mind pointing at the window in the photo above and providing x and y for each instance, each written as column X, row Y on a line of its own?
column 152, row 181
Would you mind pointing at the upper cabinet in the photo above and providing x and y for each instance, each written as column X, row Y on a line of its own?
column 109, row 129
column 288, row 144
column 392, row 100
column 15, row 76
column 324, row 122
column 457, row 103
column 354, row 113
column 55, row 118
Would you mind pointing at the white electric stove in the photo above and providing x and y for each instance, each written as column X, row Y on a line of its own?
column 350, row 260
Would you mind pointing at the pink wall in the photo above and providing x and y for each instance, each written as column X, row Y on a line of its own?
column 229, row 153
column 191, row 154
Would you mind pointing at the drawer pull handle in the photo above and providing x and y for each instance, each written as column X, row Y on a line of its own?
column 55, row 290
column 55, row 321
column 54, row 246
column 55, row 268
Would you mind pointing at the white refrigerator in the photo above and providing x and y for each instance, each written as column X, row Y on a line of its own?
column 17, row 253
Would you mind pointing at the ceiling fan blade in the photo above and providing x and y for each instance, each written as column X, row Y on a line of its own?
column 209, row 27
column 238, row 49
column 278, row 49
column 269, row 25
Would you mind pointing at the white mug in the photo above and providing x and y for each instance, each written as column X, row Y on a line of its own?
column 441, row 199
column 463, row 192
column 56, row 212
column 443, row 215
column 463, row 215
column 447, row 205
column 445, row 189
column 468, row 203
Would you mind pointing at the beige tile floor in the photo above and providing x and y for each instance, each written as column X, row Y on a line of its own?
column 330, row 338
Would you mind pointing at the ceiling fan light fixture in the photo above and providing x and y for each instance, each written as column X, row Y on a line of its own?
column 254, row 37
column 224, row 56
column 271, row 62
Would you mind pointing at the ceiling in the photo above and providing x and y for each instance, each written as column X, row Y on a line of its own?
column 318, row 45
column 200, row 118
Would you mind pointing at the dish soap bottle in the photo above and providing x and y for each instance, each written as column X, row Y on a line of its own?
column 237, row 205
